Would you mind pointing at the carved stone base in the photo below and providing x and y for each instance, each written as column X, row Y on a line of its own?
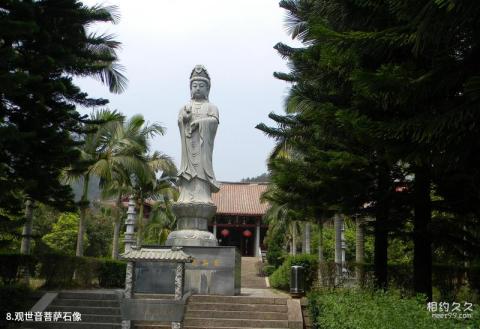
column 192, row 225
column 191, row 238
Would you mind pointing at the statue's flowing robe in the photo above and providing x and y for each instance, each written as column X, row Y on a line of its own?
column 197, row 150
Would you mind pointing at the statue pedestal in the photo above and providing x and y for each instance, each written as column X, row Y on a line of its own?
column 214, row 271
column 192, row 225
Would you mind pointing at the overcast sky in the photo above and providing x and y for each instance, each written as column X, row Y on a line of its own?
column 162, row 40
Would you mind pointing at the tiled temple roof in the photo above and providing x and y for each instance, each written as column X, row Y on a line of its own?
column 240, row 199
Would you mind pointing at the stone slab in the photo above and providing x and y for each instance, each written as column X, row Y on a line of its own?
column 152, row 310
column 214, row 271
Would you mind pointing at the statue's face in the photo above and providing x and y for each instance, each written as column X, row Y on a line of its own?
column 199, row 90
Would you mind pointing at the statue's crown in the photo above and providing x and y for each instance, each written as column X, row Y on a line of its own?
column 199, row 72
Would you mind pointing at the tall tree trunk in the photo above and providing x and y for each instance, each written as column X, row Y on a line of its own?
column 380, row 247
column 359, row 250
column 294, row 239
column 116, row 227
column 83, row 209
column 306, row 238
column 27, row 228
column 321, row 258
column 382, row 213
column 422, row 250
column 338, row 223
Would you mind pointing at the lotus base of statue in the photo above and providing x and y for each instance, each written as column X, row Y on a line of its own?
column 192, row 225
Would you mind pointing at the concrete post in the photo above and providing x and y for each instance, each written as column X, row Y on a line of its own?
column 257, row 238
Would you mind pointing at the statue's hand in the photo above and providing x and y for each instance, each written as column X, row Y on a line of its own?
column 187, row 114
column 194, row 125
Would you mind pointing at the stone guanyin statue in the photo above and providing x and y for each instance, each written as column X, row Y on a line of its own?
column 198, row 121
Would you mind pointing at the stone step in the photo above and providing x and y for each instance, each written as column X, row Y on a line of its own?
column 87, row 295
column 236, row 307
column 154, row 296
column 85, row 310
column 155, row 326
column 236, row 300
column 101, row 318
column 237, row 315
column 85, row 302
column 240, row 323
column 67, row 325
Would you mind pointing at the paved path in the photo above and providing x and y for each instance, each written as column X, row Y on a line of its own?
column 250, row 278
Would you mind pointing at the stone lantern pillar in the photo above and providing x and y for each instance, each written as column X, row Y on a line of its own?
column 129, row 245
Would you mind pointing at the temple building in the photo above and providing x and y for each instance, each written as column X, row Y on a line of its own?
column 239, row 219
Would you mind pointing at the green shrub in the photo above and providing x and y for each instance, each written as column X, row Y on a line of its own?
column 57, row 270
column 274, row 240
column 15, row 298
column 11, row 264
column 87, row 271
column 280, row 279
column 268, row 269
column 360, row 309
column 112, row 274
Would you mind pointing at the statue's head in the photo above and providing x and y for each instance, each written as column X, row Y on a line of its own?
column 199, row 83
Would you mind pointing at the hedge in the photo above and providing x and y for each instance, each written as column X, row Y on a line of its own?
column 63, row 271
column 362, row 309
column 280, row 279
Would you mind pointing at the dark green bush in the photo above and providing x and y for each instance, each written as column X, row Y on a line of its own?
column 275, row 240
column 14, row 298
column 360, row 309
column 280, row 279
column 63, row 271
column 111, row 274
column 12, row 264
column 87, row 271
column 268, row 270
column 57, row 270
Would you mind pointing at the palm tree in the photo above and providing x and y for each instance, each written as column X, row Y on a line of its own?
column 133, row 134
column 150, row 187
column 105, row 153
column 118, row 186
column 162, row 220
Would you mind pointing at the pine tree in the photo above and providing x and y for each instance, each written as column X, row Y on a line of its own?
column 43, row 45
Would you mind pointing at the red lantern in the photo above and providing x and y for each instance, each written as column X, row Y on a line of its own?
column 247, row 234
column 225, row 232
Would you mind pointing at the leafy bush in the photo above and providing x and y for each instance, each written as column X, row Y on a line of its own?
column 360, row 309
column 11, row 264
column 58, row 270
column 275, row 240
column 14, row 298
column 112, row 274
column 280, row 279
column 268, row 270
column 87, row 270
column 63, row 237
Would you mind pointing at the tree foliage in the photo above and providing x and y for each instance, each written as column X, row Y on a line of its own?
column 43, row 46
column 381, row 116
